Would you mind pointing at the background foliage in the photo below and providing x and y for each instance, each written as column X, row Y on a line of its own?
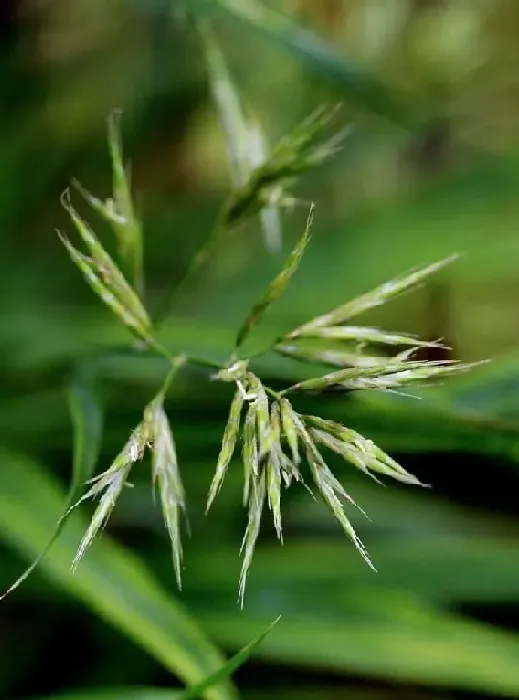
column 430, row 168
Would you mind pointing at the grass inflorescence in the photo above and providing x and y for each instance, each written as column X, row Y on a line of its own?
column 279, row 446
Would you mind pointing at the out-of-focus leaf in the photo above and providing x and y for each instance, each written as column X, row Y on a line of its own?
column 387, row 636
column 227, row 669
column 316, row 52
column 87, row 419
column 112, row 582
column 296, row 693
column 227, row 102
column 119, row 694
column 444, row 568
column 188, row 694
column 403, row 424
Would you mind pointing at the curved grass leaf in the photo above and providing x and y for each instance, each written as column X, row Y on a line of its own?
column 163, row 694
column 87, row 420
column 118, row 694
column 112, row 581
column 453, row 558
column 391, row 636
column 227, row 102
column 227, row 669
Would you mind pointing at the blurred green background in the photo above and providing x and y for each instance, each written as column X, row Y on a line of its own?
column 431, row 167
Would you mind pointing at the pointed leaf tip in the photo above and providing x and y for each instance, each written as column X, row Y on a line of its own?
column 278, row 284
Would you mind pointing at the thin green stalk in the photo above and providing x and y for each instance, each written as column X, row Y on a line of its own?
column 200, row 258
column 274, row 394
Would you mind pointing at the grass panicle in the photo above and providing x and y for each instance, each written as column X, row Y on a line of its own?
column 277, row 443
column 308, row 146
column 153, row 433
column 246, row 143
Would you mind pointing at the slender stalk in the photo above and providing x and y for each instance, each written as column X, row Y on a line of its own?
column 197, row 261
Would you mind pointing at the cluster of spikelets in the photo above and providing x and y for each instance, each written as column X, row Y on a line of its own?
column 277, row 441
column 279, row 445
column 153, row 433
column 120, row 285
column 274, row 438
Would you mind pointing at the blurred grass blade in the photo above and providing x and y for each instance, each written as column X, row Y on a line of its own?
column 378, row 296
column 422, row 645
column 317, row 53
column 270, row 215
column 246, row 145
column 196, row 691
column 228, row 105
column 227, row 669
column 87, row 421
column 277, row 286
column 116, row 693
column 112, row 581
column 306, row 147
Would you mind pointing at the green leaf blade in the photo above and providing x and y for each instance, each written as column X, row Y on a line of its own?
column 111, row 581
column 87, row 421
column 277, row 286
